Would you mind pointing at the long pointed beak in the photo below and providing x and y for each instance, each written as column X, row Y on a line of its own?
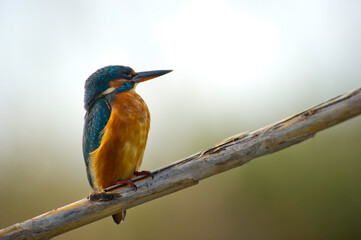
column 144, row 76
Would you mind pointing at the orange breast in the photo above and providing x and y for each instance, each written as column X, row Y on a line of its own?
column 123, row 143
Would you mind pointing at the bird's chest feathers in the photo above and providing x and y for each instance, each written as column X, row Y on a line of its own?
column 128, row 125
column 124, row 139
column 129, row 108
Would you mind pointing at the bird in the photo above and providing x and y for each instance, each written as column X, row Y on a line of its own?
column 116, row 126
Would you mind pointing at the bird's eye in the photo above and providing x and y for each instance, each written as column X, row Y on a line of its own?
column 128, row 76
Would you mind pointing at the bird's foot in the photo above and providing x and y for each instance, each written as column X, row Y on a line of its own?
column 127, row 181
column 144, row 173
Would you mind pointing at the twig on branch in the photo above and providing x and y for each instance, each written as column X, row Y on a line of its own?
column 230, row 153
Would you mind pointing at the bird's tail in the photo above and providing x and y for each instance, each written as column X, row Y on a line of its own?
column 119, row 217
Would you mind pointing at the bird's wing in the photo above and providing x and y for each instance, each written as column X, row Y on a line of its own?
column 95, row 121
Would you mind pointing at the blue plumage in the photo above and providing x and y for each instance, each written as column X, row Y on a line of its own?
column 125, row 87
column 95, row 121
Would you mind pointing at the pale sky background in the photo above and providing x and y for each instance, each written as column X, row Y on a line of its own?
column 238, row 66
column 249, row 61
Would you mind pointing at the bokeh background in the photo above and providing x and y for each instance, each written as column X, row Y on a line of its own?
column 238, row 66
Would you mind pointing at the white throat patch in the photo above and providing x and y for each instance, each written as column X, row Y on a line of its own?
column 109, row 90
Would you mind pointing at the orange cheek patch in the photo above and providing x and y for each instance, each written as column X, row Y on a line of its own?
column 116, row 83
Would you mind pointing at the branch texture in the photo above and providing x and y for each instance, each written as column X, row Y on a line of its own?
column 230, row 153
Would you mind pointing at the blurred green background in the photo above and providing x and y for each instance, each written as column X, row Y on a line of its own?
column 238, row 66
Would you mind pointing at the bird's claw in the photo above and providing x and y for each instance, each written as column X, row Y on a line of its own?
column 127, row 181
column 144, row 173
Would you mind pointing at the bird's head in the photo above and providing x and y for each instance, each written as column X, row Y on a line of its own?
column 115, row 79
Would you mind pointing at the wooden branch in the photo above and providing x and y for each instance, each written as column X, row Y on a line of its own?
column 226, row 155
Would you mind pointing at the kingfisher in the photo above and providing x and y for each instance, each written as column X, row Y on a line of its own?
column 116, row 127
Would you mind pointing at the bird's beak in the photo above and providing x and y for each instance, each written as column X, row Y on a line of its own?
column 144, row 76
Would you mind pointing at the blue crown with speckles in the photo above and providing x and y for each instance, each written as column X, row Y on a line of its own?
column 98, row 82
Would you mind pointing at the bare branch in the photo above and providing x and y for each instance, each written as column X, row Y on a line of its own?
column 184, row 173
